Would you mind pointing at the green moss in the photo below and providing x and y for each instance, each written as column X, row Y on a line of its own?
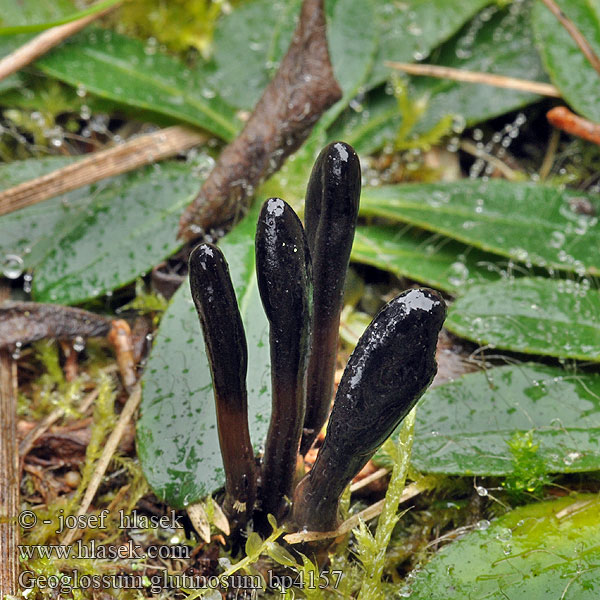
column 178, row 24
column 412, row 111
column 146, row 302
column 529, row 474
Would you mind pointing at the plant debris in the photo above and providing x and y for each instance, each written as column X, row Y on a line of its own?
column 24, row 322
column 303, row 88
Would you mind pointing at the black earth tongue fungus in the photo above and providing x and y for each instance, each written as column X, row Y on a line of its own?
column 227, row 352
column 332, row 199
column 284, row 282
column 390, row 368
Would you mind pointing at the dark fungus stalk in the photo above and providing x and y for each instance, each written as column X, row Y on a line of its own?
column 284, row 282
column 388, row 371
column 227, row 352
column 331, row 211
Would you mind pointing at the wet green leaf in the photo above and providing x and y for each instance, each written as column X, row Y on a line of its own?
column 409, row 31
column 497, row 42
column 569, row 69
column 542, row 551
column 32, row 232
column 177, row 437
column 428, row 258
column 123, row 233
column 533, row 315
column 28, row 12
column 352, row 38
column 122, row 69
column 42, row 18
column 248, row 45
column 464, row 427
column 527, row 222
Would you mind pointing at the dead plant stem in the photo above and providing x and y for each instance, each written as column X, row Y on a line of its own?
column 109, row 449
column 522, row 85
column 9, row 472
column 137, row 152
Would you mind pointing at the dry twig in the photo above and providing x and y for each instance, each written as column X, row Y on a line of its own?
column 9, row 473
column 512, row 83
column 137, row 152
column 477, row 152
column 302, row 89
column 550, row 155
column 562, row 118
column 24, row 322
column 109, row 449
column 40, row 44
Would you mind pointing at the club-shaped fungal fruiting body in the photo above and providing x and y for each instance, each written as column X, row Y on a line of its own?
column 284, row 281
column 390, row 368
column 331, row 210
column 227, row 352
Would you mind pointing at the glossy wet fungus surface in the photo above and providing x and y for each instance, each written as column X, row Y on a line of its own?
column 301, row 279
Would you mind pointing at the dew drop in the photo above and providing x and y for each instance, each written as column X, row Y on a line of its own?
column 12, row 266
column 78, row 344
column 570, row 458
column 557, row 239
column 17, row 351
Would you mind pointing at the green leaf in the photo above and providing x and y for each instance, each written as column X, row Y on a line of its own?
column 253, row 544
column 527, row 222
column 177, row 437
column 427, row 258
column 56, row 20
column 28, row 12
column 125, row 231
column 532, row 315
column 497, row 42
column 124, row 70
column 502, row 45
column 543, row 551
column 248, row 45
column 352, row 38
column 409, row 31
column 464, row 427
column 569, row 69
column 32, row 232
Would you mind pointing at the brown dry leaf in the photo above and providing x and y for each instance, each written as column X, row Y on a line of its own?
column 24, row 322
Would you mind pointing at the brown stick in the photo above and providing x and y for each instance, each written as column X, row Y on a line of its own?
column 40, row 44
column 503, row 81
column 474, row 150
column 577, row 36
column 24, row 322
column 139, row 151
column 562, row 118
column 302, row 89
column 109, row 449
column 9, row 473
